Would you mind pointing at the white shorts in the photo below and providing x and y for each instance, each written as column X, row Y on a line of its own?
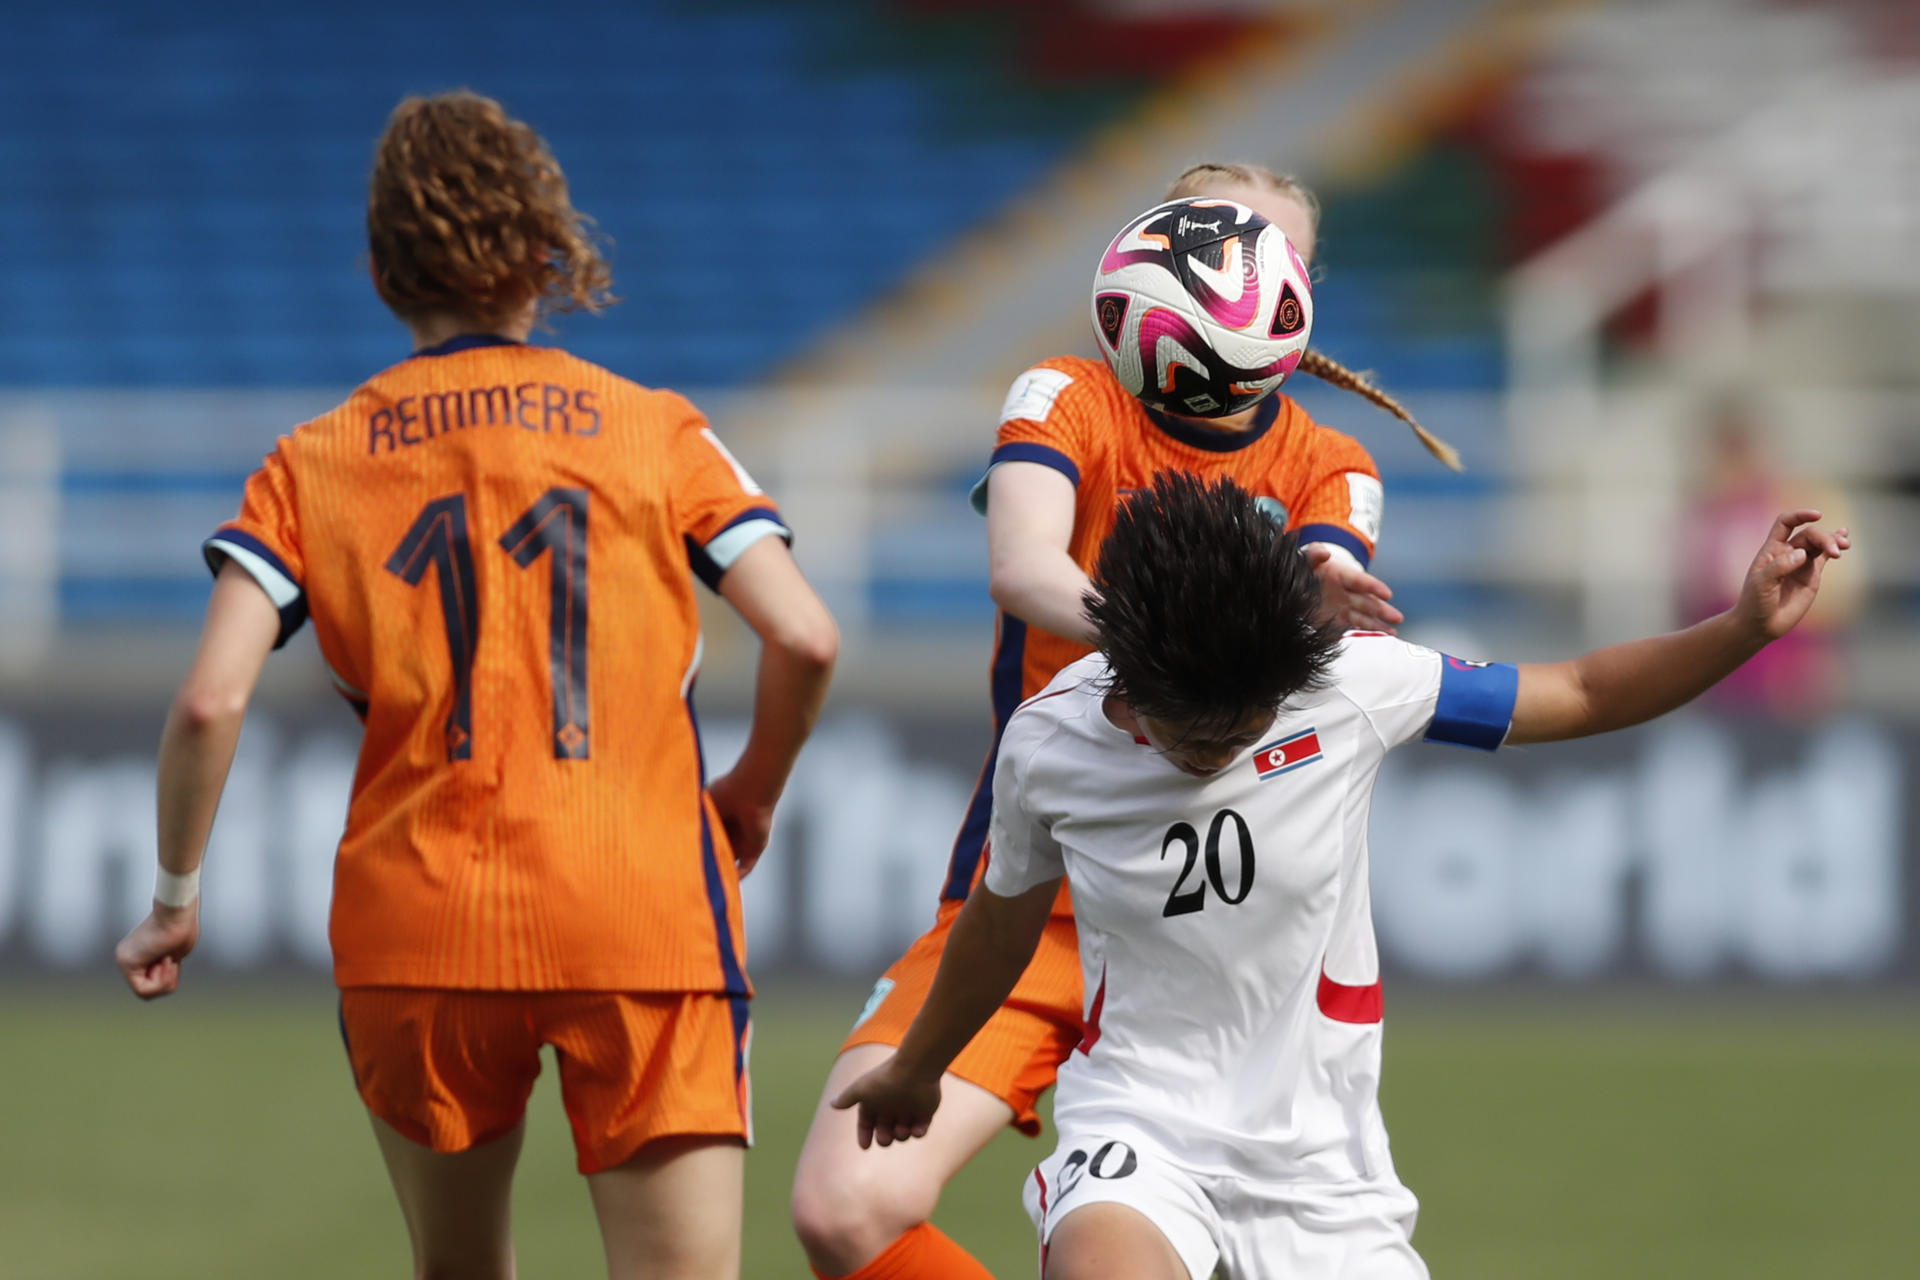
column 1249, row 1231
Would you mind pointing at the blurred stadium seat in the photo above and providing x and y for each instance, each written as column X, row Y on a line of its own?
column 185, row 206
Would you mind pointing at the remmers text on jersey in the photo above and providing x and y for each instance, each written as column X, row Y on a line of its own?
column 533, row 406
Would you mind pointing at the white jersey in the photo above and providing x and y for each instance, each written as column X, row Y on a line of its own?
column 1233, row 1011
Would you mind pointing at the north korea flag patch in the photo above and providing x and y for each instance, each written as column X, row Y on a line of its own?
column 1287, row 754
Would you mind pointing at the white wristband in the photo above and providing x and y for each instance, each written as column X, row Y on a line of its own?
column 170, row 890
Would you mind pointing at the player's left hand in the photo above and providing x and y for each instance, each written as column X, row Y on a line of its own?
column 150, row 956
column 1785, row 576
column 746, row 817
column 894, row 1105
column 1352, row 596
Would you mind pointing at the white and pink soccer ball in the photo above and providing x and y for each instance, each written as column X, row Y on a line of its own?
column 1202, row 307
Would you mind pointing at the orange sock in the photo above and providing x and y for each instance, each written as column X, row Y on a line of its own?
column 924, row 1253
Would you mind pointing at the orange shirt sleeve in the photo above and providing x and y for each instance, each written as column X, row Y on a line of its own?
column 1342, row 498
column 264, row 539
column 1046, row 420
column 721, row 509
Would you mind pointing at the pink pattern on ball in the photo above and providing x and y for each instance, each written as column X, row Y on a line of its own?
column 1239, row 313
column 1162, row 323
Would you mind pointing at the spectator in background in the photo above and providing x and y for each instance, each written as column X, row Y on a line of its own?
column 1803, row 677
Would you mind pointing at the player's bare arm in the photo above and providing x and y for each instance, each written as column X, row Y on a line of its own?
column 196, row 751
column 798, row 646
column 1625, row 684
column 1029, row 571
column 993, row 939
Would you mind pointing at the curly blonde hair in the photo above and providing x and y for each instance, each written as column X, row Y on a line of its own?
column 468, row 214
column 1207, row 178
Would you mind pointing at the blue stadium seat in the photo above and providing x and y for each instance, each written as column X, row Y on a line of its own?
column 203, row 178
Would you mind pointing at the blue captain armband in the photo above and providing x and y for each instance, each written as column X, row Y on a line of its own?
column 1475, row 708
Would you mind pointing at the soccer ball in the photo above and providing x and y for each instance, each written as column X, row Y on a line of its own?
column 1202, row 307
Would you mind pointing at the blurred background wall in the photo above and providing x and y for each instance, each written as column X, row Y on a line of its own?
column 1654, row 267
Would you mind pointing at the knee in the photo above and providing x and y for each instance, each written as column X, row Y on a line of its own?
column 847, row 1212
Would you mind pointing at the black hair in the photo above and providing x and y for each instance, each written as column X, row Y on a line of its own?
column 1205, row 609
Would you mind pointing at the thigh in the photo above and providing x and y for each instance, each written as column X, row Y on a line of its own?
column 447, row 1070
column 1101, row 1200
column 673, row 1210
column 635, row 1069
column 850, row 1204
column 455, row 1204
column 1110, row 1241
column 1362, row 1233
column 1017, row 1054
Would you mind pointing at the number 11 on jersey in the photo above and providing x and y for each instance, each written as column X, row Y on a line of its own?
column 556, row 524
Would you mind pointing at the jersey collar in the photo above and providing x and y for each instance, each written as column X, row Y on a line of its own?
column 1213, row 439
column 467, row 342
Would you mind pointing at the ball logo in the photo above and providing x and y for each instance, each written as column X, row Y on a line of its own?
column 1111, row 310
column 1287, row 754
column 1288, row 315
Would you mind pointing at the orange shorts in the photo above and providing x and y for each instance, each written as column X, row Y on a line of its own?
column 453, row 1069
column 1018, row 1052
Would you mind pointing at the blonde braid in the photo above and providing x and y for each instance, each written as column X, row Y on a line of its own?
column 1333, row 373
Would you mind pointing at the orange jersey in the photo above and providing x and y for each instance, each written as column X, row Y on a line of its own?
column 1073, row 415
column 497, row 546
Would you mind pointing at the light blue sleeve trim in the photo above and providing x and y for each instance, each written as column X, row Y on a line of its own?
column 733, row 542
column 280, row 589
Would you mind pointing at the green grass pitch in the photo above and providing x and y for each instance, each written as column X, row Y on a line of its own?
column 217, row 1134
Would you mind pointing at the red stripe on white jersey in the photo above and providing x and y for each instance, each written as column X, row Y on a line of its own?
column 1091, row 1036
column 1350, row 1004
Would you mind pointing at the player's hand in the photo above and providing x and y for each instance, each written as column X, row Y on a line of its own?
column 746, row 816
column 150, row 956
column 894, row 1106
column 1785, row 575
column 1352, row 596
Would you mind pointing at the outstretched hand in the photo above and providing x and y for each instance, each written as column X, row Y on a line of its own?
column 1785, row 576
column 894, row 1106
column 1350, row 595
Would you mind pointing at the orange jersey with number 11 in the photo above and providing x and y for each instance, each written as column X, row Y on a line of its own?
column 497, row 545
